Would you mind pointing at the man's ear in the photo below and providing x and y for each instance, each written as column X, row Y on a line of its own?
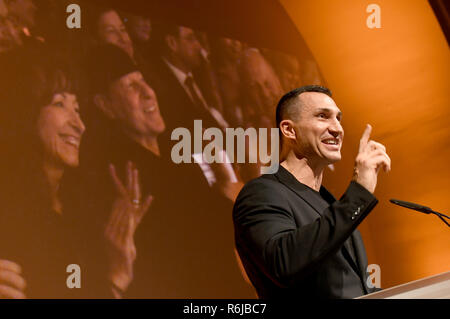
column 102, row 103
column 171, row 42
column 287, row 130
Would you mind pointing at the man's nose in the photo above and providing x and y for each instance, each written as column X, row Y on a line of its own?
column 147, row 92
column 336, row 129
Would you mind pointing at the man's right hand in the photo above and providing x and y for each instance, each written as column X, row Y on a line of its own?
column 12, row 284
column 371, row 157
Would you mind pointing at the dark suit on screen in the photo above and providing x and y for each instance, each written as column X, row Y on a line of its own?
column 295, row 242
column 177, row 107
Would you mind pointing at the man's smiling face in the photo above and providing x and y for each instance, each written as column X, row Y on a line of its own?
column 318, row 128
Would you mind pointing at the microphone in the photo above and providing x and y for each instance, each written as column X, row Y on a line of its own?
column 420, row 208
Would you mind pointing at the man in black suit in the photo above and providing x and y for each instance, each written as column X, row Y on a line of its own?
column 294, row 238
column 181, row 97
column 182, row 100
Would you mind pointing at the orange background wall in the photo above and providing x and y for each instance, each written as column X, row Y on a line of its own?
column 397, row 79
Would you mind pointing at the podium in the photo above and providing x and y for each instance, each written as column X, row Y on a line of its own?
column 434, row 287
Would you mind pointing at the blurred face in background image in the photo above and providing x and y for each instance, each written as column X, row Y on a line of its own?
column 231, row 48
column 60, row 130
column 9, row 36
column 133, row 103
column 112, row 30
column 290, row 73
column 140, row 28
column 262, row 86
column 22, row 10
column 187, row 48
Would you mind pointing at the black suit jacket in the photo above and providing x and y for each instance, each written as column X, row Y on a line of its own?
column 176, row 106
column 297, row 243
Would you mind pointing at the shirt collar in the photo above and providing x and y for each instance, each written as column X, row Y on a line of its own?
column 180, row 75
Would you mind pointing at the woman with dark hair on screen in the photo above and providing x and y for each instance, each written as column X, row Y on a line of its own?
column 43, row 252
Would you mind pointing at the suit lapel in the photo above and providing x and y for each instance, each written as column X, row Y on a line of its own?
column 319, row 205
column 285, row 177
column 193, row 110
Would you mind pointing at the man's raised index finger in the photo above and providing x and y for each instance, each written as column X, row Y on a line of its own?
column 365, row 137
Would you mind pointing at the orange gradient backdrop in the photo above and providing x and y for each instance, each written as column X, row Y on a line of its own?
column 397, row 79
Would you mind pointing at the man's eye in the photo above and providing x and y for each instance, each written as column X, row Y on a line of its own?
column 58, row 103
column 322, row 115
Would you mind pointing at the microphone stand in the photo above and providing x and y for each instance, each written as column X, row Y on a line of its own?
column 420, row 208
column 441, row 217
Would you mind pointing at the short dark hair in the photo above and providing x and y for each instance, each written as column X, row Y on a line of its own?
column 160, row 31
column 285, row 105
